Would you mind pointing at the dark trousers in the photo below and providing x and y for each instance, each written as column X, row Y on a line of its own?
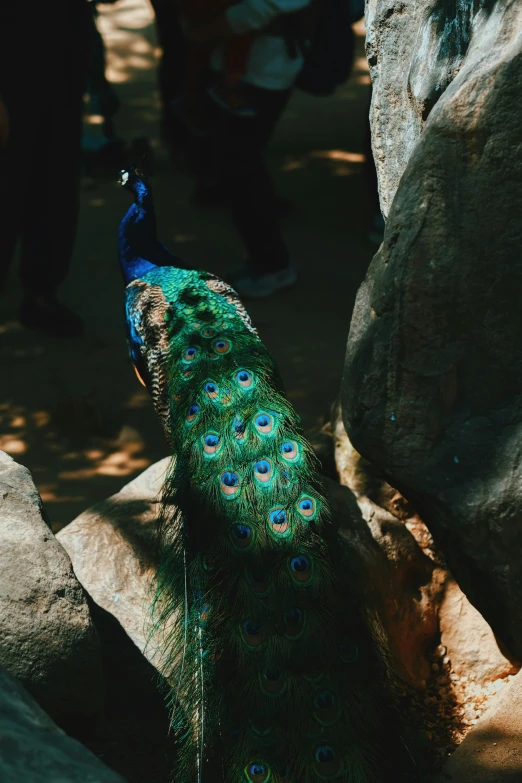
column 174, row 49
column 40, row 167
column 238, row 149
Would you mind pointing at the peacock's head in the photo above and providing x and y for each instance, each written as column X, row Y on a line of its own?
column 133, row 179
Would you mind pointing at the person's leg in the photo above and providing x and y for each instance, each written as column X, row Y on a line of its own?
column 240, row 145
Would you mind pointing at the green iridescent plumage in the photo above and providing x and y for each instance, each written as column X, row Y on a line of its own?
column 272, row 673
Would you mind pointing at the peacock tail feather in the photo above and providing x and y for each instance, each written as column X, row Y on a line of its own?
column 272, row 672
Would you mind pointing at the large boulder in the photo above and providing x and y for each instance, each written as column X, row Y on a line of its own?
column 431, row 388
column 114, row 551
column 47, row 638
column 34, row 750
column 415, row 50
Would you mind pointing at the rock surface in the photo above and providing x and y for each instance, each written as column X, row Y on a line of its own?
column 113, row 549
column 425, row 604
column 492, row 751
column 469, row 640
column 47, row 638
column 34, row 750
column 415, row 51
column 431, row 389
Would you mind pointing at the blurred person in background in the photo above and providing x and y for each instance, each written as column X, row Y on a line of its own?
column 43, row 56
column 239, row 135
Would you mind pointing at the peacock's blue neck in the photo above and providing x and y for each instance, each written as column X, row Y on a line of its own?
column 142, row 194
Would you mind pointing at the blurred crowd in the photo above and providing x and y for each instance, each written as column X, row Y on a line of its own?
column 227, row 71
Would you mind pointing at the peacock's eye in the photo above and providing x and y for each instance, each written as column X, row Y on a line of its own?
column 264, row 423
column 300, row 564
column 289, row 449
column 293, row 616
column 251, row 628
column 211, row 389
column 244, row 378
column 241, row 532
column 324, row 700
column 211, row 443
column 257, row 772
column 242, row 536
column 306, row 506
column 192, row 412
column 229, row 484
column 328, row 763
column 190, row 354
column 221, row 346
column 301, row 569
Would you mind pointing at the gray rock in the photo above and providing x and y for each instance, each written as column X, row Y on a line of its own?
column 47, row 638
column 34, row 750
column 492, row 751
column 469, row 640
column 113, row 549
column 415, row 50
column 433, row 373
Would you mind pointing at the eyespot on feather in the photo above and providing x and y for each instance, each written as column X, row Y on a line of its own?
column 242, row 536
column 190, row 354
column 257, row 772
column 252, row 633
column 272, row 681
column 326, row 707
column 192, row 413
column 278, row 522
column 245, row 379
column 263, row 470
column 221, row 346
column 259, row 581
column 239, row 429
column 229, row 482
column 301, row 569
column 289, row 450
column 307, row 507
column 211, row 390
column 211, row 443
column 264, row 423
column 294, row 622
column 208, row 331
column 327, row 762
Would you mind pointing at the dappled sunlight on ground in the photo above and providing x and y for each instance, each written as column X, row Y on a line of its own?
column 73, row 411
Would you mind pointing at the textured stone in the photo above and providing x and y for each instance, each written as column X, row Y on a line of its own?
column 414, row 51
column 431, row 389
column 469, row 640
column 113, row 549
column 492, row 751
column 34, row 750
column 47, row 638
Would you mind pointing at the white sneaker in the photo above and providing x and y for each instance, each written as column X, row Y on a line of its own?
column 249, row 287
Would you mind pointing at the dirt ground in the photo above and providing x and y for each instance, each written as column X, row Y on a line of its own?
column 72, row 411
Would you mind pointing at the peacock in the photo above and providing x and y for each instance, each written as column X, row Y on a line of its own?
column 273, row 676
